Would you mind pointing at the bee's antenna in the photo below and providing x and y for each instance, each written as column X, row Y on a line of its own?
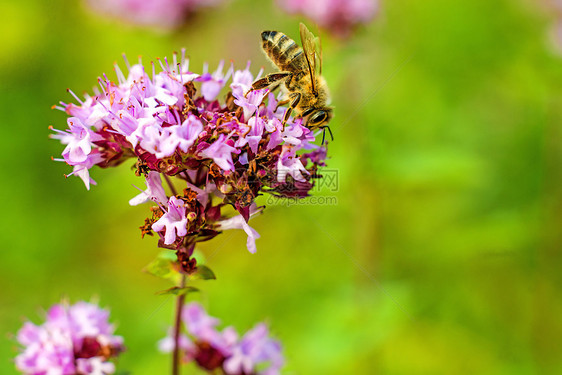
column 324, row 134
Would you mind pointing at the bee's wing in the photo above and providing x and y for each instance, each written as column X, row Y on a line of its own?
column 309, row 44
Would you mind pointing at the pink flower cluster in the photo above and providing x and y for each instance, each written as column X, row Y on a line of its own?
column 74, row 340
column 338, row 16
column 162, row 14
column 254, row 353
column 219, row 153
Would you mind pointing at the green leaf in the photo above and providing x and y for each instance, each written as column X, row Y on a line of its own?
column 203, row 273
column 165, row 267
column 177, row 291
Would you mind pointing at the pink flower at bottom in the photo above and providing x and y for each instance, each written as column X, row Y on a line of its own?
column 73, row 339
column 255, row 347
column 214, row 350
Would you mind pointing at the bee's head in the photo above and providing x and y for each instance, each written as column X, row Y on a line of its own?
column 318, row 117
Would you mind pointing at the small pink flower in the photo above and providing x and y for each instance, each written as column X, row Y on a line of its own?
column 212, row 84
column 94, row 366
column 154, row 191
column 197, row 319
column 167, row 344
column 254, row 134
column 174, row 221
column 254, row 348
column 238, row 222
column 187, row 132
column 242, row 81
column 290, row 165
column 82, row 169
column 221, row 153
column 79, row 141
column 250, row 101
column 158, row 141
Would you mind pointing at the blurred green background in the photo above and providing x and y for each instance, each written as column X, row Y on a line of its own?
column 442, row 254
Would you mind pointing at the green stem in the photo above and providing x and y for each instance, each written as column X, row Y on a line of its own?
column 170, row 185
column 177, row 328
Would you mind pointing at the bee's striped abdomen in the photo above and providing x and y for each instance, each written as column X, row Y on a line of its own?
column 283, row 51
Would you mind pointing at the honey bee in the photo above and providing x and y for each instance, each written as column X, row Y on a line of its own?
column 306, row 88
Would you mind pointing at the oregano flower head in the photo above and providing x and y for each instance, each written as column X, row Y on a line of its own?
column 216, row 153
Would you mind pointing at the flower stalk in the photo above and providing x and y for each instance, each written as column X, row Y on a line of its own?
column 180, row 301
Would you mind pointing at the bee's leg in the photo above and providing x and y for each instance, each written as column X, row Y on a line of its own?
column 280, row 103
column 260, row 84
column 295, row 98
column 277, row 77
column 275, row 86
column 270, row 79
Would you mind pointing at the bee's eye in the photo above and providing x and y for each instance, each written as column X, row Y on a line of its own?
column 318, row 118
column 307, row 112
